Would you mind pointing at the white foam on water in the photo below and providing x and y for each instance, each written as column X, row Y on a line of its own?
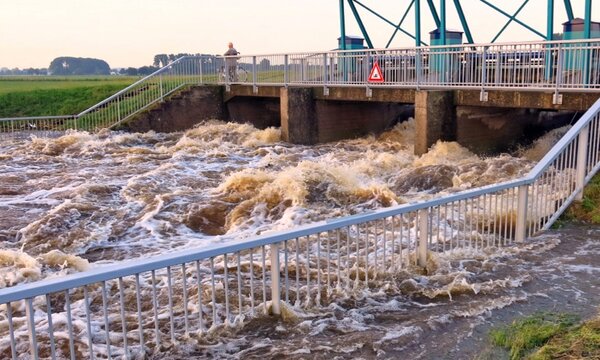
column 111, row 196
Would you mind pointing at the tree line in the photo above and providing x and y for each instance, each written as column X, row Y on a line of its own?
column 66, row 65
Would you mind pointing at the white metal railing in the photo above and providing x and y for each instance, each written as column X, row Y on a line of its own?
column 549, row 65
column 122, row 105
column 131, row 308
column 558, row 66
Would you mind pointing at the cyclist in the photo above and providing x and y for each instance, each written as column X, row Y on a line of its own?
column 231, row 62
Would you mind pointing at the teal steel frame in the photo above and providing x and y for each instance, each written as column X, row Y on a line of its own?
column 342, row 26
column 440, row 19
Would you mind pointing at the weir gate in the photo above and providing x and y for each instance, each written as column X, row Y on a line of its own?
column 116, row 307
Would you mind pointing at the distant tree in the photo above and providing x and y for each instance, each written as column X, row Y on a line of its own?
column 130, row 71
column 78, row 66
column 161, row 60
column 146, row 70
column 264, row 64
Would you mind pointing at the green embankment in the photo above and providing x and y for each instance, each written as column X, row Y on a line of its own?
column 48, row 95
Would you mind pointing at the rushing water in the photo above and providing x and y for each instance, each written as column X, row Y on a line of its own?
column 79, row 199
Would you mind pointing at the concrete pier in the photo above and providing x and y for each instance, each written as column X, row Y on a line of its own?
column 434, row 119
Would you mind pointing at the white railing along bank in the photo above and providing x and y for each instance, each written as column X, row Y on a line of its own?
column 121, row 106
column 135, row 307
column 558, row 66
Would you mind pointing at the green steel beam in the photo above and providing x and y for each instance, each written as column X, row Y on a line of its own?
column 587, row 21
column 513, row 19
column 418, row 22
column 550, row 20
column 399, row 24
column 510, row 20
column 443, row 21
column 549, row 33
column 384, row 19
column 569, row 10
column 342, row 25
column 463, row 21
column 434, row 14
column 587, row 28
column 360, row 24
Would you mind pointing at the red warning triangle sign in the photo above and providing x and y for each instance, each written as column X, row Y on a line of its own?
column 376, row 75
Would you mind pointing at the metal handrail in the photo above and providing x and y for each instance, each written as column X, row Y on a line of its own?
column 114, row 271
column 560, row 146
column 38, row 117
column 132, row 86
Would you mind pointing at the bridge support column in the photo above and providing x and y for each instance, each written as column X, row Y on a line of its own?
column 299, row 123
column 434, row 118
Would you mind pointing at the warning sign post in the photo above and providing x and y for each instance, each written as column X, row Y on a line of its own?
column 376, row 76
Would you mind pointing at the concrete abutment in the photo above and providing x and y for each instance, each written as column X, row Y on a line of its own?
column 309, row 115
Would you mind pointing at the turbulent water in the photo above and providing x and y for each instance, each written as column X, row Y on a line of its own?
column 82, row 199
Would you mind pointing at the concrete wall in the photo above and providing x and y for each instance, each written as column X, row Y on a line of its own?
column 307, row 120
column 488, row 130
column 261, row 112
column 189, row 107
column 491, row 130
column 181, row 111
column 339, row 120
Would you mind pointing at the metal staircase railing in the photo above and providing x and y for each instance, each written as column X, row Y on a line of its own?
column 123, row 310
column 121, row 106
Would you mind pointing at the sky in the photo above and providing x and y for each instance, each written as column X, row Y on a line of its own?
column 130, row 32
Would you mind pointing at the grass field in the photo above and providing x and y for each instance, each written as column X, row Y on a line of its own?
column 56, row 95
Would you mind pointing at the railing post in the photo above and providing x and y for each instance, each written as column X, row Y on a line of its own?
column 521, row 226
column 161, row 86
column 423, row 215
column 582, row 147
column 275, row 281
column 119, row 109
column 325, row 89
column 418, row 66
column 498, row 68
column 31, row 328
column 254, row 77
column 200, row 63
column 557, row 98
column 482, row 94
column 286, row 69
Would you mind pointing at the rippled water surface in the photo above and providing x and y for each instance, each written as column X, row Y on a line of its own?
column 72, row 202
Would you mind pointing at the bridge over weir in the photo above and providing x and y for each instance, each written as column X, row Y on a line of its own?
column 116, row 307
column 460, row 92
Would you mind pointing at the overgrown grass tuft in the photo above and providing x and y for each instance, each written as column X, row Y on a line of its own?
column 582, row 342
column 527, row 334
column 588, row 210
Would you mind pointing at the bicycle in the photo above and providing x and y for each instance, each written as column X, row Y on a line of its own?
column 240, row 75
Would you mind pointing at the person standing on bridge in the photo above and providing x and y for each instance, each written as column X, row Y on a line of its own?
column 231, row 62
